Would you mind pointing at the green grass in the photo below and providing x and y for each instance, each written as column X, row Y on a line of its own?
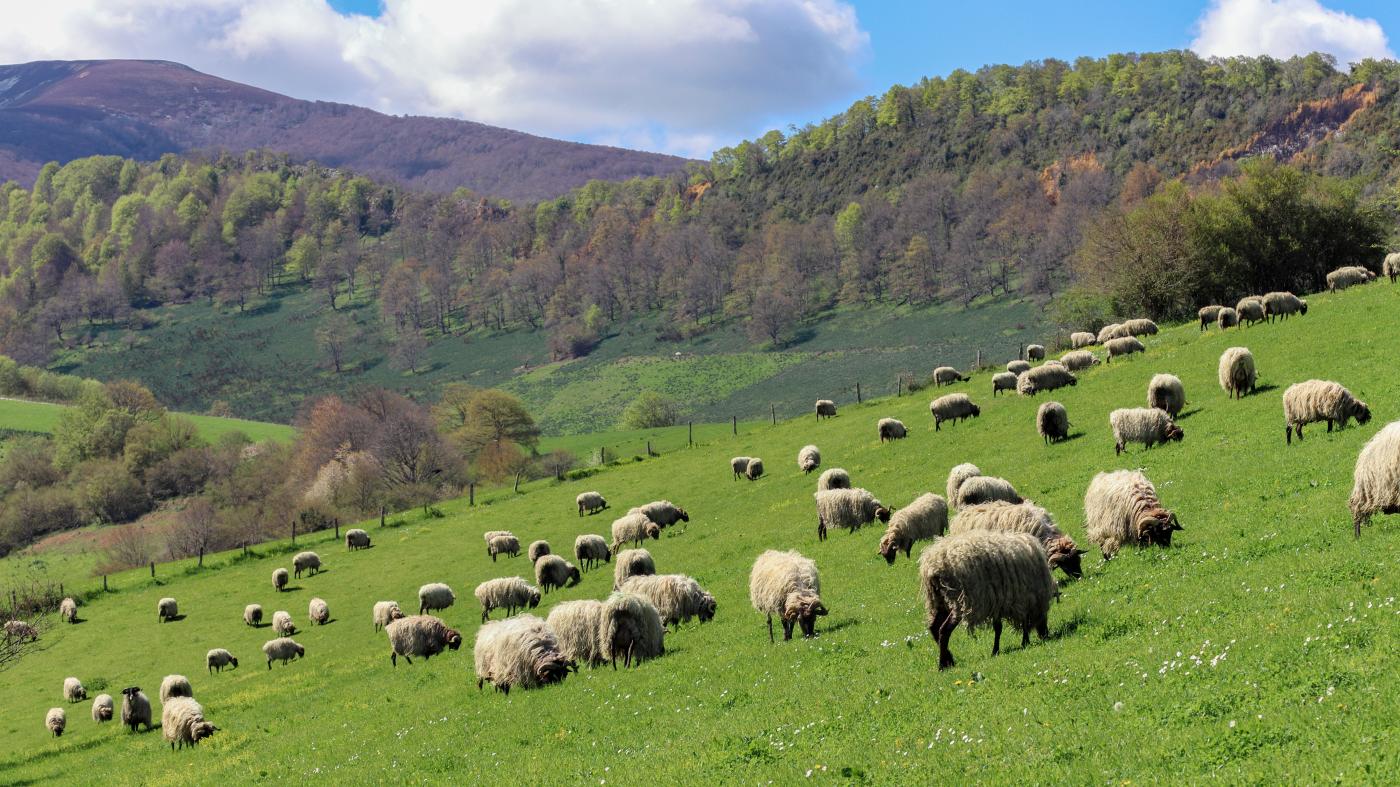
column 1260, row 648
column 17, row 415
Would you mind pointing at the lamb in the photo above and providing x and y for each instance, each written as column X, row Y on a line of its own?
column 56, row 720
column 835, row 478
column 537, row 550
column 1052, row 422
column 1017, row 366
column 1111, row 331
column 1282, row 305
column 1228, row 318
column 136, row 708
column 1208, row 315
column 578, row 627
column 1142, row 425
column 631, row 628
column 519, row 652
column 921, row 520
column 306, row 561
column 957, row 476
column 435, row 596
column 1121, row 508
column 20, row 631
column 633, row 529
column 983, row 576
column 809, row 458
column 740, row 466
column 1165, row 392
column 1376, row 487
column 503, row 545
column 280, row 578
column 218, row 658
column 283, row 649
column 253, row 615
column 632, row 563
column 1344, row 277
column 985, row 489
column 103, row 707
column 754, row 470
column 68, row 610
column 825, row 409
column 175, row 686
column 182, row 722
column 947, row 375
column 73, row 690
column 1140, row 327
column 1074, row 360
column 891, row 429
column 590, row 503
column 1035, row 352
column 1082, row 339
column 1123, row 345
column 1044, row 378
column 510, row 593
column 786, row 584
column 420, row 635
column 553, row 571
column 282, row 623
column 355, row 538
column 847, row 508
column 318, row 611
column 1250, row 310
column 386, row 612
column 677, row 597
column 1060, row 550
column 589, row 549
column 1391, row 266
column 167, row 609
column 663, row 512
column 1237, row 375
column 1003, row 381
column 1320, row 400
column 953, row 407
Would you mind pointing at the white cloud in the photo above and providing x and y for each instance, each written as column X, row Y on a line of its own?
column 1283, row 28
column 674, row 74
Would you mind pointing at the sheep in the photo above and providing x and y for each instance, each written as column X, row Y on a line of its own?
column 491, row 534
column 503, row 545
column 553, row 571
column 56, row 720
column 631, row 628
column 1035, row 352
column 985, row 489
column 182, row 722
column 1376, row 487
column 947, row 375
column 677, row 597
column 1110, row 331
column 253, row 615
column 632, row 563
column 809, row 458
column 1140, row 327
column 355, row 538
column 1228, row 318
column 1320, row 400
column 589, row 549
column 283, row 649
column 921, row 520
column 68, row 610
column 1080, row 339
column 578, row 627
column 1165, row 392
column 786, row 584
column 847, row 508
column 633, row 529
column 318, row 611
column 386, row 612
column 1391, row 266
column 280, row 578
column 891, row 429
column 1123, row 345
column 73, row 690
column 103, row 707
column 510, row 593
column 663, row 512
column 1250, row 310
column 282, row 623
column 1121, row 508
column 825, row 409
column 1344, row 277
column 835, row 478
column 1003, row 381
column 1052, row 422
column 419, row 635
column 1144, row 425
column 1074, row 360
column 1017, row 366
column 754, row 470
column 1237, row 375
column 175, row 686
column 1044, row 378
column 953, row 407
column 1282, row 305
column 218, row 658
column 957, row 476
column 306, row 561
column 519, row 652
column 20, row 631
column 590, row 503
column 136, row 708
column 740, row 466
column 1027, row 517
column 985, row 576
column 537, row 550
column 1208, row 315
column 167, row 609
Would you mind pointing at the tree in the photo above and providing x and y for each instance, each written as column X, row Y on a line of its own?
column 93, row 428
column 334, row 337
column 494, row 417
column 773, row 315
column 194, row 531
column 650, row 410
column 409, row 347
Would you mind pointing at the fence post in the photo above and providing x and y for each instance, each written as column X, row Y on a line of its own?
column 773, row 410
column 61, row 594
column 979, row 360
column 337, row 527
column 735, row 420
column 294, row 532
column 857, row 391
column 104, row 583
column 690, row 434
column 649, row 453
column 201, row 557
column 383, row 510
column 471, row 494
column 245, row 549
column 899, row 386
column 153, row 569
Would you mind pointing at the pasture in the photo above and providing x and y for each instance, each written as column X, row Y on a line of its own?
column 23, row 416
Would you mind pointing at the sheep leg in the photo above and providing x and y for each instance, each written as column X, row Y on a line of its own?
column 485, row 614
column 996, row 636
column 770, row 628
column 787, row 629
column 1329, row 426
column 1117, row 448
column 945, row 632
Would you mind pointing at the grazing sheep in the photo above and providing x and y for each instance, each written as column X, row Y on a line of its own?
column 355, row 538
column 953, row 407
column 1282, row 305
column 1109, row 332
column 508, row 593
column 282, row 623
column 957, row 476
column 103, row 708
column 1082, row 339
column 809, row 458
column 1145, row 425
column 1391, row 266
column 73, row 690
column 578, row 627
column 553, row 571
column 631, row 628
column 420, row 635
column 677, row 597
column 218, row 658
column 1122, row 508
column 318, row 611
column 386, row 612
column 1017, row 366
column 786, row 584
column 1376, row 488
column 68, row 610
column 491, row 534
column 1035, row 352
column 983, row 576
column 1344, row 277
column 847, row 508
column 590, row 503
column 921, row 520
column 825, row 409
column 1320, row 400
column 306, row 561
column 1237, row 375
column 537, row 550
column 835, row 478
column 754, row 470
column 1208, row 315
column 947, row 375
column 175, row 686
column 985, row 489
column 503, row 545
column 167, row 609
column 633, row 529
column 1044, row 378
column 663, row 512
column 136, row 708
column 283, row 649
column 1027, row 517
column 740, row 466
column 632, row 563
column 1074, row 360
column 1052, row 422
column 280, row 578
column 1140, row 327
column 1165, row 392
column 56, row 720
column 1228, row 318
column 891, row 429
column 1250, row 310
column 1003, row 381
column 182, row 721
column 20, row 631
column 519, row 652
column 589, row 549
column 1123, row 345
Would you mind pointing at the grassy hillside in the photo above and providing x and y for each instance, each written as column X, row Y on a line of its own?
column 1259, row 648
column 17, row 415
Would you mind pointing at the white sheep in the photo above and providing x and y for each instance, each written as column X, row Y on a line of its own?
column 740, row 466
column 519, row 652
column 590, row 503
column 508, row 593
column 503, row 545
column 891, row 429
column 282, row 623
column 1123, row 345
column 1208, row 315
column 318, row 611
column 283, row 649
column 136, row 708
column 1047, row 377
column 218, row 658
column 578, row 627
column 957, row 476
column 754, row 469
column 847, row 508
column 280, row 578
column 834, row 478
column 1376, row 485
column 1122, row 508
column 1145, row 425
column 1227, row 318
column 355, row 538
column 1082, row 339
column 182, row 721
column 985, row 489
column 954, row 408
column 553, row 571
column 306, row 561
column 1025, row 517
column 663, row 512
column 1237, row 375
column 1110, row 332
column 947, row 375
column 1074, row 360
column 1391, row 266
column 73, row 690
column 825, row 409
column 56, row 720
column 1017, row 366
column 633, row 529
column 1035, row 352
column 419, row 636
column 921, row 520
column 1283, row 305
column 809, row 458
column 1250, row 310
column 630, row 628
column 175, row 686
column 1140, row 327
column 68, row 610
column 103, row 708
column 386, row 612
column 167, row 609
column 1052, row 422
column 435, row 596
column 537, row 550
column 19, row 631
column 1003, row 381
column 1165, row 392
column 1346, row 276
column 1312, row 401
column 632, row 563
column 677, row 597
column 590, row 548
column 786, row 584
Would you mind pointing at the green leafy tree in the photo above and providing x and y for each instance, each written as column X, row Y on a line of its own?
column 650, row 410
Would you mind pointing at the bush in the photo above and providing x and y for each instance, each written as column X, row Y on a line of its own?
column 31, row 513
column 109, row 494
column 649, row 411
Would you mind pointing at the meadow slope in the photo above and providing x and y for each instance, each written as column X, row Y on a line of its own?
column 1260, row 648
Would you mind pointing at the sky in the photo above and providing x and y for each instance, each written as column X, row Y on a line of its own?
column 675, row 76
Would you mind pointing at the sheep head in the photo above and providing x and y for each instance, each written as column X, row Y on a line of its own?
column 1065, row 556
column 882, row 513
column 653, row 530
column 1156, row 526
column 1360, row 412
column 454, row 639
column 889, row 547
column 680, row 512
column 805, row 607
column 976, row 411
column 1303, row 307
column 201, row 730
column 1173, row 432
column 301, row 652
column 131, row 691
column 534, row 598
column 550, row 667
column 233, row 660
column 607, row 554
column 707, row 607
column 574, row 576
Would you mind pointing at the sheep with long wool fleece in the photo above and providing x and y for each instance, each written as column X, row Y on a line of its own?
column 825, row 408
column 1003, row 381
column 1236, row 372
column 677, row 597
column 1074, row 360
column 632, row 563
column 1166, row 393
column 1208, row 315
column 20, row 631
column 833, row 478
column 740, row 466
column 280, row 578
column 1122, row 508
column 553, row 571
column 182, row 721
column 1110, row 332
column 167, row 609
column 1140, row 327
column 435, row 596
column 1346, row 276
column 754, row 469
column 282, row 623
column 1035, row 352
column 590, row 503
column 1024, row 517
column 318, row 611
column 386, row 612
column 1052, row 422
column 507, row 545
column 537, row 550
column 1123, row 345
column 891, row 429
column 1283, row 305
column 1227, row 318
column 508, row 593
column 356, row 538
column 283, row 649
column 136, row 708
column 787, row 584
column 847, row 508
column 519, row 652
column 809, row 458
column 1250, row 310
column 662, row 512
column 1146, row 425
column 73, row 690
column 578, row 627
column 490, row 534
column 1047, row 377
column 957, row 476
column 630, row 629
column 590, row 548
column 1391, row 266
column 1017, row 366
column 633, row 529
column 953, row 407
column 1079, row 339
column 985, row 489
column 947, row 375
column 1376, row 480
column 921, row 520
column 305, row 561
column 103, row 707
column 68, row 610
column 218, row 658
column 175, row 686
column 420, row 636
column 983, row 576
column 1312, row 401
column 56, row 720
column 253, row 615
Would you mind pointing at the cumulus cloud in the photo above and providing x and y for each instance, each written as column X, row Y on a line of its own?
column 678, row 75
column 1283, row 28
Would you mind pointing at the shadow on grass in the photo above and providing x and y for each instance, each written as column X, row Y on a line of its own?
column 834, row 626
column 1068, row 626
column 1184, row 414
column 1262, row 389
column 269, row 306
column 174, row 619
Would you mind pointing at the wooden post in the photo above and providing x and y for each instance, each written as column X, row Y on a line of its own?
column 649, row 453
column 245, row 549
column 383, row 510
column 153, row 569
column 1021, row 353
column 899, row 386
column 337, row 528
column 773, row 410
column 471, row 494
column 735, row 420
column 61, row 594
column 294, row 532
column 690, row 434
column 979, row 360
column 104, row 583
column 201, row 557
column 857, row 391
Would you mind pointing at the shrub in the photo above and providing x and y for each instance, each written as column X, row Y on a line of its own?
column 649, row 411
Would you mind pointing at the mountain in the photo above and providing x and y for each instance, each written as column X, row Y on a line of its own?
column 141, row 109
